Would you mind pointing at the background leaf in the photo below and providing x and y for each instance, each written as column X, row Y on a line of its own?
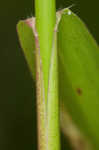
column 78, row 74
column 27, row 41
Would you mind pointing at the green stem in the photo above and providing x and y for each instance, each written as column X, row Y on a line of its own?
column 45, row 11
column 47, row 76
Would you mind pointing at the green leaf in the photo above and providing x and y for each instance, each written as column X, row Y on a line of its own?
column 79, row 75
column 27, row 42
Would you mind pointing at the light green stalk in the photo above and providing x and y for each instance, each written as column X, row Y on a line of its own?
column 47, row 76
column 45, row 22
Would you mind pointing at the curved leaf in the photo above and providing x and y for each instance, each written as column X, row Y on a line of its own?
column 79, row 74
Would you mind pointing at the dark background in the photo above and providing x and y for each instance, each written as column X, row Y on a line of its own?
column 17, row 104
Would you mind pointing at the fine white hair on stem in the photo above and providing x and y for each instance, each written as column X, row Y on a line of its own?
column 69, row 7
column 72, row 5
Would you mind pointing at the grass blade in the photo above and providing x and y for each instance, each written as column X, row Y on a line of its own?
column 78, row 74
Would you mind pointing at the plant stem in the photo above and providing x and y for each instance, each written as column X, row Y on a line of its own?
column 45, row 11
column 47, row 76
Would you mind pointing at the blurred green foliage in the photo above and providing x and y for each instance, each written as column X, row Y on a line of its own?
column 16, row 86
